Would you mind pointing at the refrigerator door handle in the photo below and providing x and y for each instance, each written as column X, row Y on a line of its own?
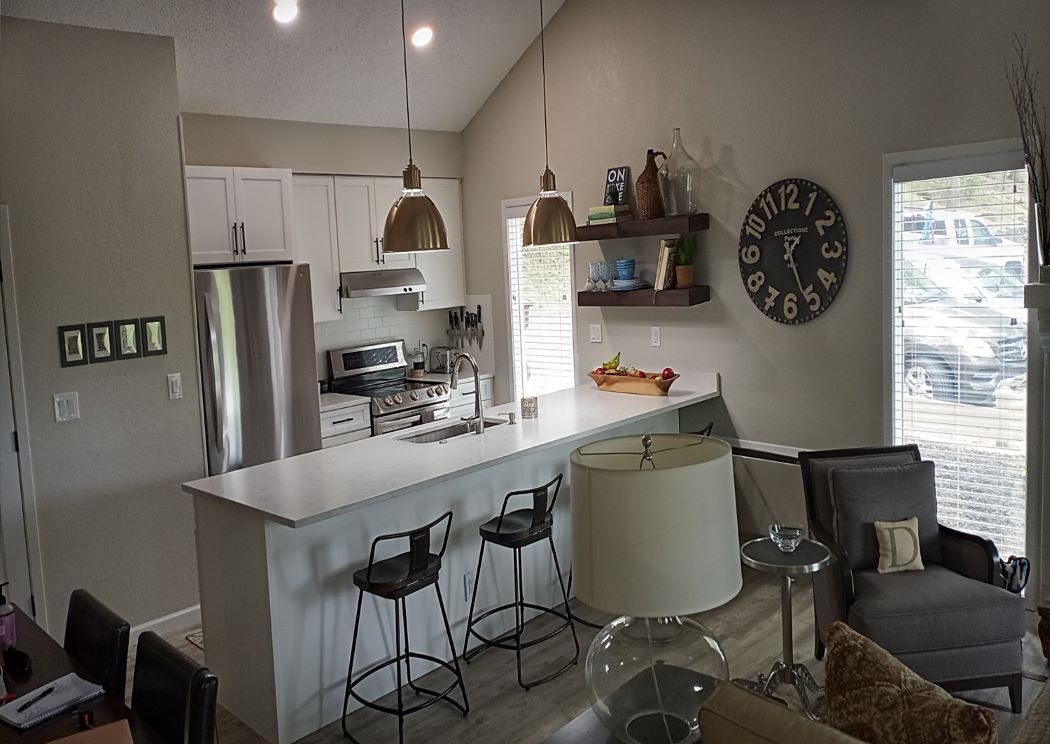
column 219, row 445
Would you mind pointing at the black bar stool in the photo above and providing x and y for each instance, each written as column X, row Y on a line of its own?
column 516, row 530
column 395, row 578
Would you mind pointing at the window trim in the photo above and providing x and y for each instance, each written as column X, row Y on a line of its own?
column 519, row 207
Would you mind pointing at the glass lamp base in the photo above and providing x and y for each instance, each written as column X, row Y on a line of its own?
column 648, row 677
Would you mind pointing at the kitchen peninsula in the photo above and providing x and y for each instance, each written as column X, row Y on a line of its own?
column 278, row 543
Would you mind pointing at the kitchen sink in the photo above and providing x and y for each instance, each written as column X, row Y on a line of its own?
column 457, row 429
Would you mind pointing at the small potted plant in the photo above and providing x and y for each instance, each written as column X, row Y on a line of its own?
column 685, row 253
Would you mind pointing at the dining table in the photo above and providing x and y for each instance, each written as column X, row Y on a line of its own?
column 50, row 661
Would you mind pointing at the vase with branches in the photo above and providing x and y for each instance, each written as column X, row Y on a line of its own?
column 1031, row 117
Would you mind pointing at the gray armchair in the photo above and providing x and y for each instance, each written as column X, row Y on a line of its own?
column 951, row 623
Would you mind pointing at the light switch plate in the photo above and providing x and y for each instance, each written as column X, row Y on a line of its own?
column 175, row 386
column 596, row 333
column 654, row 335
column 67, row 407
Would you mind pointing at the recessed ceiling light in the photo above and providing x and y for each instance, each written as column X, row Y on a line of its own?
column 285, row 11
column 422, row 36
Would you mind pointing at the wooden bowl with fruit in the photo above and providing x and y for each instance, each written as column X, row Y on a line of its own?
column 613, row 378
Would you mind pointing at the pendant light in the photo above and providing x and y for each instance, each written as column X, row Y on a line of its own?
column 549, row 220
column 414, row 223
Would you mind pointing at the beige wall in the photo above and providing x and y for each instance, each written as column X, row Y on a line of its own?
column 318, row 148
column 762, row 91
column 90, row 166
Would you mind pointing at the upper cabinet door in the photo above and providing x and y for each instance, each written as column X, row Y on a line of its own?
column 212, row 212
column 264, row 213
column 355, row 221
column 388, row 191
column 443, row 270
column 313, row 198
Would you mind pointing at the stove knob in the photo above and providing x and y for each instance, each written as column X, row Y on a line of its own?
column 414, row 395
column 444, row 388
column 430, row 392
column 388, row 401
column 397, row 398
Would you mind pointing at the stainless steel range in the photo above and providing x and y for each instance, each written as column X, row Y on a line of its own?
column 377, row 371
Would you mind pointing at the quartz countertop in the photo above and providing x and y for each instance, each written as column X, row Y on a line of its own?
column 308, row 488
column 465, row 376
column 334, row 401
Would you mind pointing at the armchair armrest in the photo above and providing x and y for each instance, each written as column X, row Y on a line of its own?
column 971, row 555
column 832, row 587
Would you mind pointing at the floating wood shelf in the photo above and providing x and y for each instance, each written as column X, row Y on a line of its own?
column 684, row 223
column 644, row 298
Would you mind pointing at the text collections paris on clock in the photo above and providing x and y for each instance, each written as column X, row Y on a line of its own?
column 793, row 251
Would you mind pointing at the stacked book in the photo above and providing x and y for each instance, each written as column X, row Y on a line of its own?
column 609, row 214
column 665, row 265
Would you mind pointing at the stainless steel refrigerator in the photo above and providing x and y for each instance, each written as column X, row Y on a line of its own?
column 258, row 368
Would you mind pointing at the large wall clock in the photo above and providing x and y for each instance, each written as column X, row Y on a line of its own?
column 793, row 251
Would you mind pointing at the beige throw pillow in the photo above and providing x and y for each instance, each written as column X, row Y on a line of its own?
column 899, row 546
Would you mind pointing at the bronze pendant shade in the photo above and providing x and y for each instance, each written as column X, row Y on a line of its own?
column 550, row 220
column 414, row 223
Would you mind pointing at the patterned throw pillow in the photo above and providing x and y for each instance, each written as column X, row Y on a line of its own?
column 899, row 546
column 875, row 698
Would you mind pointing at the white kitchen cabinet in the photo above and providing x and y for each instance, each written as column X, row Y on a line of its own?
column 444, row 271
column 239, row 215
column 315, row 241
column 462, row 398
column 361, row 205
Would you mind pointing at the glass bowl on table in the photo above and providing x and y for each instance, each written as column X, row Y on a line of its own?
column 785, row 537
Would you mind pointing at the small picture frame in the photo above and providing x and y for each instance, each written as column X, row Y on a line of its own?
column 154, row 336
column 100, row 342
column 72, row 351
column 127, row 341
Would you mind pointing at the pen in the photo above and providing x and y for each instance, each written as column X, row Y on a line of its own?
column 35, row 700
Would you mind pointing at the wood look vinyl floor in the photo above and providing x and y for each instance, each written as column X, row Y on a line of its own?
column 503, row 713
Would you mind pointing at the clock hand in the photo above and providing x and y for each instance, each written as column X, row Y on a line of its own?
column 790, row 243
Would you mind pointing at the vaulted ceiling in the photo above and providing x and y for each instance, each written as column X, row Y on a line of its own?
column 338, row 62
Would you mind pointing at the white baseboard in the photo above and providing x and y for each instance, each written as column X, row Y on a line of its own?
column 186, row 619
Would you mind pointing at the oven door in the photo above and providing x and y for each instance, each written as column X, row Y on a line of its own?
column 406, row 419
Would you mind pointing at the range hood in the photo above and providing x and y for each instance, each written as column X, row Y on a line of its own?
column 376, row 283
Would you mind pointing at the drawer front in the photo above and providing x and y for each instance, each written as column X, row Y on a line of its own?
column 486, row 389
column 353, row 436
column 345, row 420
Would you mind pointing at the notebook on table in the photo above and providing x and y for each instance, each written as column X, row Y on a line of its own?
column 69, row 692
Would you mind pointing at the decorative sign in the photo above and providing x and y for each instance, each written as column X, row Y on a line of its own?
column 616, row 181
column 793, row 251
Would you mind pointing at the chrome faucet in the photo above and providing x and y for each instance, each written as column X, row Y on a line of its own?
column 478, row 418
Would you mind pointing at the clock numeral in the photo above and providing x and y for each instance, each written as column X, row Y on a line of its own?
column 827, row 278
column 750, row 254
column 809, row 204
column 812, row 298
column 755, row 281
column 827, row 221
column 829, row 252
column 771, row 297
column 791, row 192
column 755, row 226
column 790, row 306
column 767, row 199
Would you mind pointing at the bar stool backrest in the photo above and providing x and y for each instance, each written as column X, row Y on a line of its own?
column 543, row 499
column 418, row 547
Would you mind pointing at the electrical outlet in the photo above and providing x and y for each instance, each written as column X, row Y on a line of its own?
column 468, row 586
column 596, row 333
column 175, row 386
column 654, row 335
column 67, row 406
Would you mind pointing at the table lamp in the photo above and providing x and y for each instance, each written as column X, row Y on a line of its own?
column 654, row 536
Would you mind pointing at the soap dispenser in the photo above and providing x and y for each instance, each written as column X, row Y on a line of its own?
column 8, row 634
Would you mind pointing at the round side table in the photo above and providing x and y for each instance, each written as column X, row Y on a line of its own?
column 809, row 557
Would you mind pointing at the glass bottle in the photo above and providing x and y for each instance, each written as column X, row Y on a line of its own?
column 680, row 180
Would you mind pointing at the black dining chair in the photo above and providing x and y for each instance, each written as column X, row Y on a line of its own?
column 98, row 638
column 172, row 694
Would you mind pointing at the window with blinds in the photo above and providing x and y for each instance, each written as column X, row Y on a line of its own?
column 960, row 342
column 541, row 318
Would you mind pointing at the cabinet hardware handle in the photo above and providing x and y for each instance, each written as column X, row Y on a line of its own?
column 339, row 300
column 382, row 251
column 244, row 242
column 234, row 228
column 343, row 421
column 376, row 241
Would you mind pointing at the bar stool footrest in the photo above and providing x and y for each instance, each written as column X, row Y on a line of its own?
column 497, row 642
